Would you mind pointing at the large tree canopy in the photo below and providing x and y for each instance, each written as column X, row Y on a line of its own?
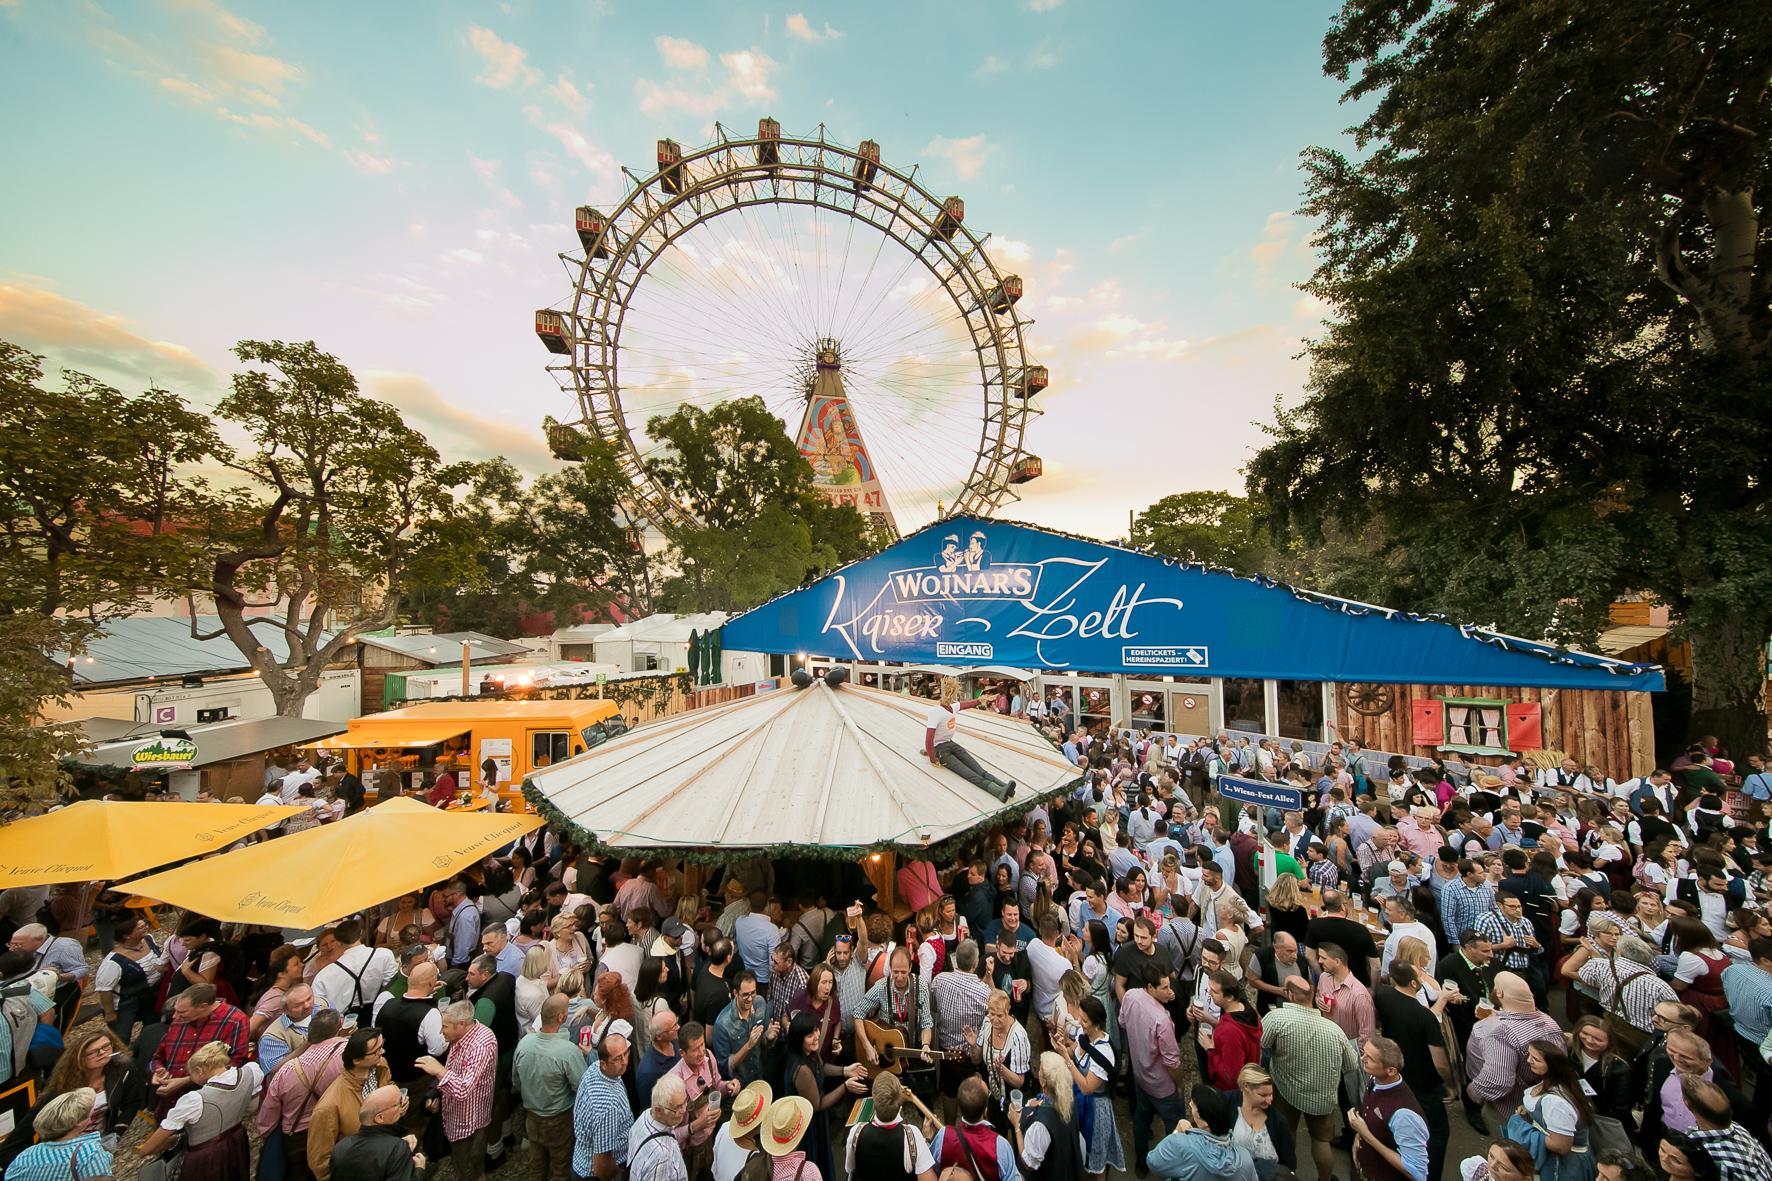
column 764, row 527
column 91, row 495
column 1544, row 376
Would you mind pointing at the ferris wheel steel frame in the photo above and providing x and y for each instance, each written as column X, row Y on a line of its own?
column 731, row 175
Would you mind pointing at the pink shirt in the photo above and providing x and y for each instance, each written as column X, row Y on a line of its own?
column 1425, row 844
column 1352, row 1009
column 697, row 1083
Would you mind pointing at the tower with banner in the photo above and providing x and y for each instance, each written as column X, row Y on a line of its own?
column 830, row 439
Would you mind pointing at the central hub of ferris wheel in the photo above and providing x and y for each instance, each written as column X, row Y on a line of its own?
column 819, row 279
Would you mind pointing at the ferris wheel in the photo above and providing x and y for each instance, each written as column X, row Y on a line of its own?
column 842, row 292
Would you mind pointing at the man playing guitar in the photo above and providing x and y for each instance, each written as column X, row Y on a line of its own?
column 900, row 1001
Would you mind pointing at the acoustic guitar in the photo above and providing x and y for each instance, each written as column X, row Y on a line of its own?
column 888, row 1043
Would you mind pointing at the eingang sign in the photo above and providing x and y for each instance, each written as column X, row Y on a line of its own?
column 971, row 591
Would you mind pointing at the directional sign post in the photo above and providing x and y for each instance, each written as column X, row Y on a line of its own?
column 1259, row 791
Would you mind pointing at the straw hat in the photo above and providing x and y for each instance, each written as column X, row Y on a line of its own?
column 786, row 1123
column 1490, row 781
column 749, row 1107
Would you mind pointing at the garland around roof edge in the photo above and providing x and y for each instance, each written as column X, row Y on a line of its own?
column 694, row 854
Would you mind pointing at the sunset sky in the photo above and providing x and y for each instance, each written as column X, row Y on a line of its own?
column 394, row 182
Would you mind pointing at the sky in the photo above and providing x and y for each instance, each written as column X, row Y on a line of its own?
column 395, row 182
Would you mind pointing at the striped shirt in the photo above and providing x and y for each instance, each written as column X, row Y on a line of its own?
column 960, row 999
column 1495, row 1056
column 1749, row 989
column 1642, row 989
column 62, row 1160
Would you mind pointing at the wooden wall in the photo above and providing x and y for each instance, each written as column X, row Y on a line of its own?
column 1614, row 731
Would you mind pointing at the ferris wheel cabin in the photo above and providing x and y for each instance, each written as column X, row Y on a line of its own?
column 590, row 225
column 670, row 166
column 1028, row 382
column 868, row 164
column 947, row 224
column 1004, row 295
column 1028, row 467
column 768, row 141
column 551, row 328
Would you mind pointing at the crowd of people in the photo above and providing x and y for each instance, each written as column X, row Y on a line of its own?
column 1252, row 985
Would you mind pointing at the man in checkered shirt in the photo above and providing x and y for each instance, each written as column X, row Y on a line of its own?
column 465, row 1087
column 1465, row 900
column 1738, row 1155
column 1495, row 1056
column 1506, row 927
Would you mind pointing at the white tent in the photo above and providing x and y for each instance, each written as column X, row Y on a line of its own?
column 820, row 767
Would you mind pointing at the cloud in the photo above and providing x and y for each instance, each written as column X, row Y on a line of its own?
column 459, row 433
column 747, row 77
column 1041, row 5
column 750, row 72
column 681, row 54
column 201, row 69
column 1122, row 243
column 487, row 171
column 369, row 165
column 504, row 61
column 568, row 95
column 83, row 336
column 1042, row 58
column 595, row 159
column 992, row 65
column 1310, row 307
column 968, row 155
column 407, row 297
column 798, row 28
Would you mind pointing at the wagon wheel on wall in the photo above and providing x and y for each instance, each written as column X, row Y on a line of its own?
column 1371, row 700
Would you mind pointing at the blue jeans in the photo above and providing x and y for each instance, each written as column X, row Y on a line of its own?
column 1167, row 1109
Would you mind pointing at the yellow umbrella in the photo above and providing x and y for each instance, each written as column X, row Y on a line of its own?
column 324, row 873
column 109, row 839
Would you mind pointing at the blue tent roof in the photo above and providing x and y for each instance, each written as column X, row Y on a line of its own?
column 971, row 591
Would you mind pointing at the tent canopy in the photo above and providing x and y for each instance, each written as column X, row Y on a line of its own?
column 110, row 839
column 816, row 768
column 417, row 732
column 312, row 877
column 966, row 590
column 217, row 742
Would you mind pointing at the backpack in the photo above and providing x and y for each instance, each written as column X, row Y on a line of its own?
column 757, row 1167
column 21, row 1019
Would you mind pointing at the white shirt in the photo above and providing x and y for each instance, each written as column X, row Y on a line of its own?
column 917, row 1159
column 1402, row 931
column 430, row 1030
column 943, row 722
column 729, row 1158
column 1048, row 965
column 295, row 779
column 190, row 1104
column 335, row 988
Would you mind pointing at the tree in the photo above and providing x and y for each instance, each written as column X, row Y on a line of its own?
column 1544, row 378
column 347, row 508
column 764, row 527
column 92, row 488
column 1211, row 527
column 561, row 543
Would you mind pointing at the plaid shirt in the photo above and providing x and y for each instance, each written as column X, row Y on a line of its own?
column 1749, row 990
column 1310, row 1052
column 1738, row 1155
column 600, row 1121
column 1461, row 906
column 225, row 1023
column 466, row 1085
column 960, row 999
column 1494, row 926
column 783, row 986
column 1323, row 874
column 1495, row 1055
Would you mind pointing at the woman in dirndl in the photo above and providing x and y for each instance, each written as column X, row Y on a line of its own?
column 212, row 1116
